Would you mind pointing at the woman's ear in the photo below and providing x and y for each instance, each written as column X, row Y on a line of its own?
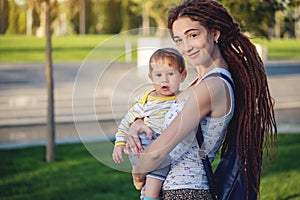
column 217, row 34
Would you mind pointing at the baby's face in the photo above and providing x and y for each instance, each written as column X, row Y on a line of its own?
column 166, row 77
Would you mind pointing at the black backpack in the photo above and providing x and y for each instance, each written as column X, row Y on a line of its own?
column 227, row 180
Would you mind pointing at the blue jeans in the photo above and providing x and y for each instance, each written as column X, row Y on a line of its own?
column 162, row 170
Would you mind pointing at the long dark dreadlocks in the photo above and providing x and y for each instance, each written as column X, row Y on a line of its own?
column 253, row 124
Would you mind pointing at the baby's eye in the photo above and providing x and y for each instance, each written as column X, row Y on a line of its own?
column 158, row 75
column 171, row 73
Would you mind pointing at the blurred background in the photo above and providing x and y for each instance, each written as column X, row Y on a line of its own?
column 93, row 49
column 264, row 18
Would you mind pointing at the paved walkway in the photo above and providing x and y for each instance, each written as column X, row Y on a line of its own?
column 99, row 93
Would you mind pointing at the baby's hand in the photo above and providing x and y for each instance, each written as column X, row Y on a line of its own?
column 117, row 154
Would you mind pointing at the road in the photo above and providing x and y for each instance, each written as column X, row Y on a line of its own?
column 96, row 96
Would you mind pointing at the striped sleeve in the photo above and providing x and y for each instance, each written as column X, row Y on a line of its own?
column 136, row 111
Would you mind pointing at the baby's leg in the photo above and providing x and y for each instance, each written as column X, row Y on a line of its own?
column 155, row 179
column 152, row 188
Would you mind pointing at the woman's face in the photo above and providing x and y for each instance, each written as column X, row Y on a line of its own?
column 193, row 41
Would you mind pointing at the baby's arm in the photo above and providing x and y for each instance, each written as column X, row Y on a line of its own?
column 136, row 111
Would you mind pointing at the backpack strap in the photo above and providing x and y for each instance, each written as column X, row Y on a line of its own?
column 199, row 136
column 219, row 74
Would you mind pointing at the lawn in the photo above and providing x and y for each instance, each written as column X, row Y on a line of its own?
column 76, row 174
column 17, row 49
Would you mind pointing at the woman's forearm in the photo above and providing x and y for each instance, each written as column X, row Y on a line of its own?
column 155, row 153
column 183, row 124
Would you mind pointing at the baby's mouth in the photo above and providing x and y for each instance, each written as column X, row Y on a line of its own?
column 165, row 88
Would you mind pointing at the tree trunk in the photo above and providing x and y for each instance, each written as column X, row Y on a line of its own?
column 50, row 152
column 29, row 22
column 277, row 24
column 297, row 22
column 3, row 17
column 146, row 20
column 82, row 19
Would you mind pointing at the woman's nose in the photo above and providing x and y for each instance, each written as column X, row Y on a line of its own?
column 187, row 46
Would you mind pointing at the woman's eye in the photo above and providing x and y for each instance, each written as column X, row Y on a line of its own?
column 178, row 41
column 194, row 35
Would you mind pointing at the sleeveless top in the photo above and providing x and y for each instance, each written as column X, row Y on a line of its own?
column 186, row 171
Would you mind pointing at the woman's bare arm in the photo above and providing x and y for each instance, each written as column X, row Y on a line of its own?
column 198, row 105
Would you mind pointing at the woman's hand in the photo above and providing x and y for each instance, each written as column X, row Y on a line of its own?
column 132, row 138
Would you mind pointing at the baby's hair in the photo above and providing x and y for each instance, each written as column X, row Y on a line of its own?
column 171, row 54
column 253, row 125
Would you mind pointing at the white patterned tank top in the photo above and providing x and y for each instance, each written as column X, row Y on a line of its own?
column 186, row 167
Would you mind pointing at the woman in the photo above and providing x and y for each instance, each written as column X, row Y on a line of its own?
column 207, row 36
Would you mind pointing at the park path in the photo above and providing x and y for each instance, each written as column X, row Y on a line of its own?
column 23, row 99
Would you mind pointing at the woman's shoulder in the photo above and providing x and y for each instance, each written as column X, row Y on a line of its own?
column 183, row 95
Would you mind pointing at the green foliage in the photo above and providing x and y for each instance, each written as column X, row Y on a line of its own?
column 131, row 18
column 13, row 16
column 76, row 174
column 112, row 18
column 4, row 8
column 22, row 23
column 260, row 13
column 258, row 17
column 73, row 11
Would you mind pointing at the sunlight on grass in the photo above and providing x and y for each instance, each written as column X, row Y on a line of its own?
column 76, row 174
column 65, row 49
column 281, row 48
column 77, row 47
column 283, row 185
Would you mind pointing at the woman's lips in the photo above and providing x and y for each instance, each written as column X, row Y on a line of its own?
column 192, row 55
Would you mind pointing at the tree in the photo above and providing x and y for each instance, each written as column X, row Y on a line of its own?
column 112, row 16
column 159, row 12
column 130, row 18
column 50, row 151
column 156, row 11
column 13, row 16
column 82, row 18
column 38, row 15
column 256, row 17
column 4, row 7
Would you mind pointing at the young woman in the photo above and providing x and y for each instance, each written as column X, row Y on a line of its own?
column 206, row 34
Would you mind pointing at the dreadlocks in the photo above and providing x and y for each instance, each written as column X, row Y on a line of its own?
column 253, row 126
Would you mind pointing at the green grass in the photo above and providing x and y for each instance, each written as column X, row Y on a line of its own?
column 76, row 174
column 18, row 49
column 281, row 48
